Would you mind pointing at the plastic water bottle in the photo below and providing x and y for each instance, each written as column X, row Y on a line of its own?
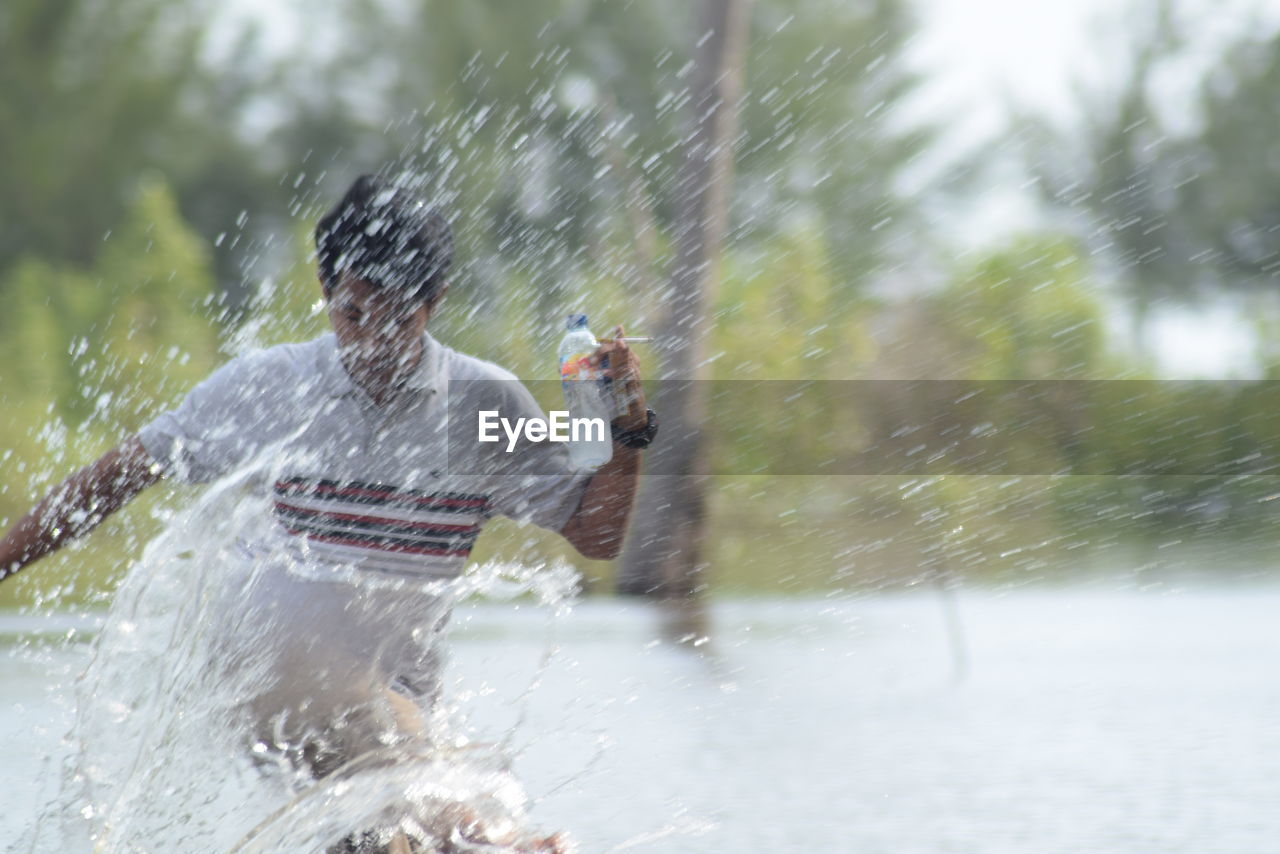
column 584, row 394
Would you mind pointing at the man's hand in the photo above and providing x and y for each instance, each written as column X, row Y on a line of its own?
column 78, row 505
column 618, row 362
column 597, row 528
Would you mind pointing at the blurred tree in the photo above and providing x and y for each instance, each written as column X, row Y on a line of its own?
column 552, row 130
column 43, row 303
column 160, row 311
column 1229, row 184
column 1174, row 191
column 1115, row 173
column 664, row 553
column 822, row 138
column 114, row 342
column 93, row 96
column 87, row 355
column 288, row 306
column 1030, row 310
column 784, row 292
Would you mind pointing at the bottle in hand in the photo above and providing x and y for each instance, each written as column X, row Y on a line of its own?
column 585, row 394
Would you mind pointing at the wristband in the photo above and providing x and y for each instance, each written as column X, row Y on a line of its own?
column 639, row 438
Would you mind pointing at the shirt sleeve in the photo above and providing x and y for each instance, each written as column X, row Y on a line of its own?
column 535, row 482
column 217, row 427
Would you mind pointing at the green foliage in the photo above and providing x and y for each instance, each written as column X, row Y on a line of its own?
column 288, row 306
column 159, row 310
column 84, row 87
column 1115, row 172
column 1176, row 191
column 780, row 319
column 1029, row 313
column 780, row 314
column 96, row 96
column 821, row 141
column 550, row 130
column 87, row 356
column 137, row 323
column 43, row 303
column 1229, row 199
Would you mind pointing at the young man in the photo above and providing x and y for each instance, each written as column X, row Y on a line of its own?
column 349, row 437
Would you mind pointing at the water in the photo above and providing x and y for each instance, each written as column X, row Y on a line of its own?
column 583, row 393
column 1119, row 720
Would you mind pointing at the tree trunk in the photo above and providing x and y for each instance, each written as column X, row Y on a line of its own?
column 663, row 554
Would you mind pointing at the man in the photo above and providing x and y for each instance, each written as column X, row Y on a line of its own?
column 349, row 438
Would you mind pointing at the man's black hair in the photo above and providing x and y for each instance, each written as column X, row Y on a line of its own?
column 384, row 234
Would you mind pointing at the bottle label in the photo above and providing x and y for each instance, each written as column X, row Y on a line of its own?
column 577, row 367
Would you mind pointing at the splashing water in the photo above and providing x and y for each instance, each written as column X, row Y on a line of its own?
column 439, row 800
column 203, row 726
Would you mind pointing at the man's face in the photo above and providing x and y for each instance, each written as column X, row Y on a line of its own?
column 379, row 333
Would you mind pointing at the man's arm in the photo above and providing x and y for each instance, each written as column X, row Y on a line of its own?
column 598, row 525
column 78, row 505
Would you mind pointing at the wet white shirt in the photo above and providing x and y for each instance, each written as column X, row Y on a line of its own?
column 392, row 489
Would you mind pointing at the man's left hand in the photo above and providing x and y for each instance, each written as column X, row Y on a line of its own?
column 621, row 365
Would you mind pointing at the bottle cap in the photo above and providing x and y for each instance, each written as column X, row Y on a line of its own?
column 576, row 321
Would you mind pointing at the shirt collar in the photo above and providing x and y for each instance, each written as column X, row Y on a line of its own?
column 426, row 377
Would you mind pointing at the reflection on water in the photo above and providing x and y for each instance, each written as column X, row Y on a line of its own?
column 1121, row 720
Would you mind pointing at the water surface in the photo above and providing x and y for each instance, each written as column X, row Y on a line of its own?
column 1118, row 720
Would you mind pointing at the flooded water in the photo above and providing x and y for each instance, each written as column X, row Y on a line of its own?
column 1119, row 720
